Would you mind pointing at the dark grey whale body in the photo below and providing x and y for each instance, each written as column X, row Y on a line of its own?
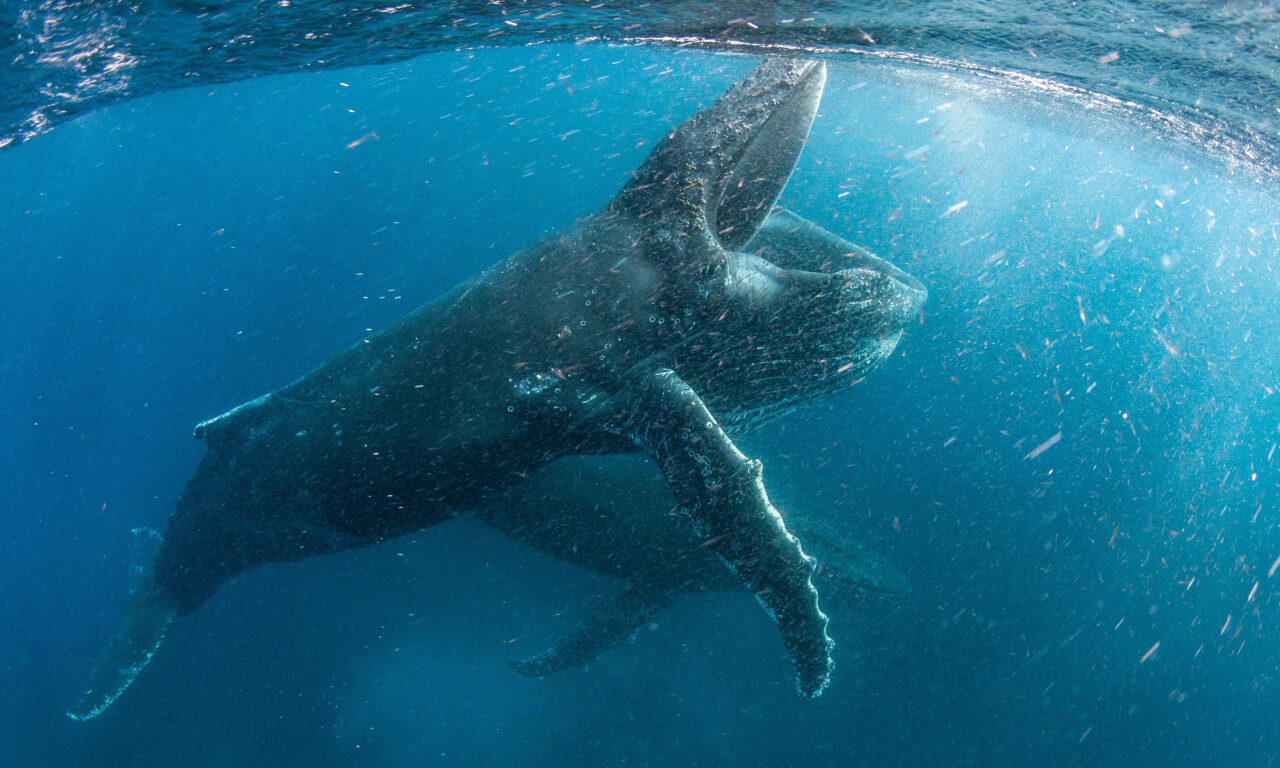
column 647, row 326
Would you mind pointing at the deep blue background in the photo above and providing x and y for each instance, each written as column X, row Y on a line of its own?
column 169, row 258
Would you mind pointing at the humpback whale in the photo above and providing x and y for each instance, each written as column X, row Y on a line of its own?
column 615, row 515
column 686, row 310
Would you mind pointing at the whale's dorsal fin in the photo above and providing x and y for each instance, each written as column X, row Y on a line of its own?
column 609, row 625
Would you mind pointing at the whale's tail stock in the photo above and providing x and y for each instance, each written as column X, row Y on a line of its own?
column 148, row 619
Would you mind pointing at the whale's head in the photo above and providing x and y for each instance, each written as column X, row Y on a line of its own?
column 811, row 313
column 773, row 310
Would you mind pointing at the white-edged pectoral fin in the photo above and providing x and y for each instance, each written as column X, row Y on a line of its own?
column 722, row 492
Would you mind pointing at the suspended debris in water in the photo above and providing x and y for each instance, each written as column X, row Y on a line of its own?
column 1041, row 448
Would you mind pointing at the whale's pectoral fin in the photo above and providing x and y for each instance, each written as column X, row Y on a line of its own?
column 848, row 573
column 608, row 626
column 149, row 617
column 721, row 491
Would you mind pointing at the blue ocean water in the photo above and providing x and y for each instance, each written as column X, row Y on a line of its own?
column 1071, row 456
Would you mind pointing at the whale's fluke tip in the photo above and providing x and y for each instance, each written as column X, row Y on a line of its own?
column 148, row 619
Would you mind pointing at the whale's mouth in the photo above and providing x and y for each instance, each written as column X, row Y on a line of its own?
column 796, row 244
column 750, row 183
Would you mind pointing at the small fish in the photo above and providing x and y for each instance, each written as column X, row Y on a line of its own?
column 1041, row 448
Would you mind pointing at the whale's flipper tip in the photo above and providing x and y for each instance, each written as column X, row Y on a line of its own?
column 149, row 617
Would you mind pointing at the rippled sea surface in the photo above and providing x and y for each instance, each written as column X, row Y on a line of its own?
column 1210, row 64
column 1071, row 457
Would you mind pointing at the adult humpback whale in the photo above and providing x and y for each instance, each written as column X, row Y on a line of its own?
column 624, row 332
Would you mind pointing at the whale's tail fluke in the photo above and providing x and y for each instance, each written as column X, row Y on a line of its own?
column 149, row 615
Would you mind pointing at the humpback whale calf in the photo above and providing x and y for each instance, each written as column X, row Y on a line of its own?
column 687, row 309
column 614, row 515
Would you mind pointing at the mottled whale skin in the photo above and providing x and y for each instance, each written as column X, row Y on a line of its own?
column 615, row 515
column 642, row 327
